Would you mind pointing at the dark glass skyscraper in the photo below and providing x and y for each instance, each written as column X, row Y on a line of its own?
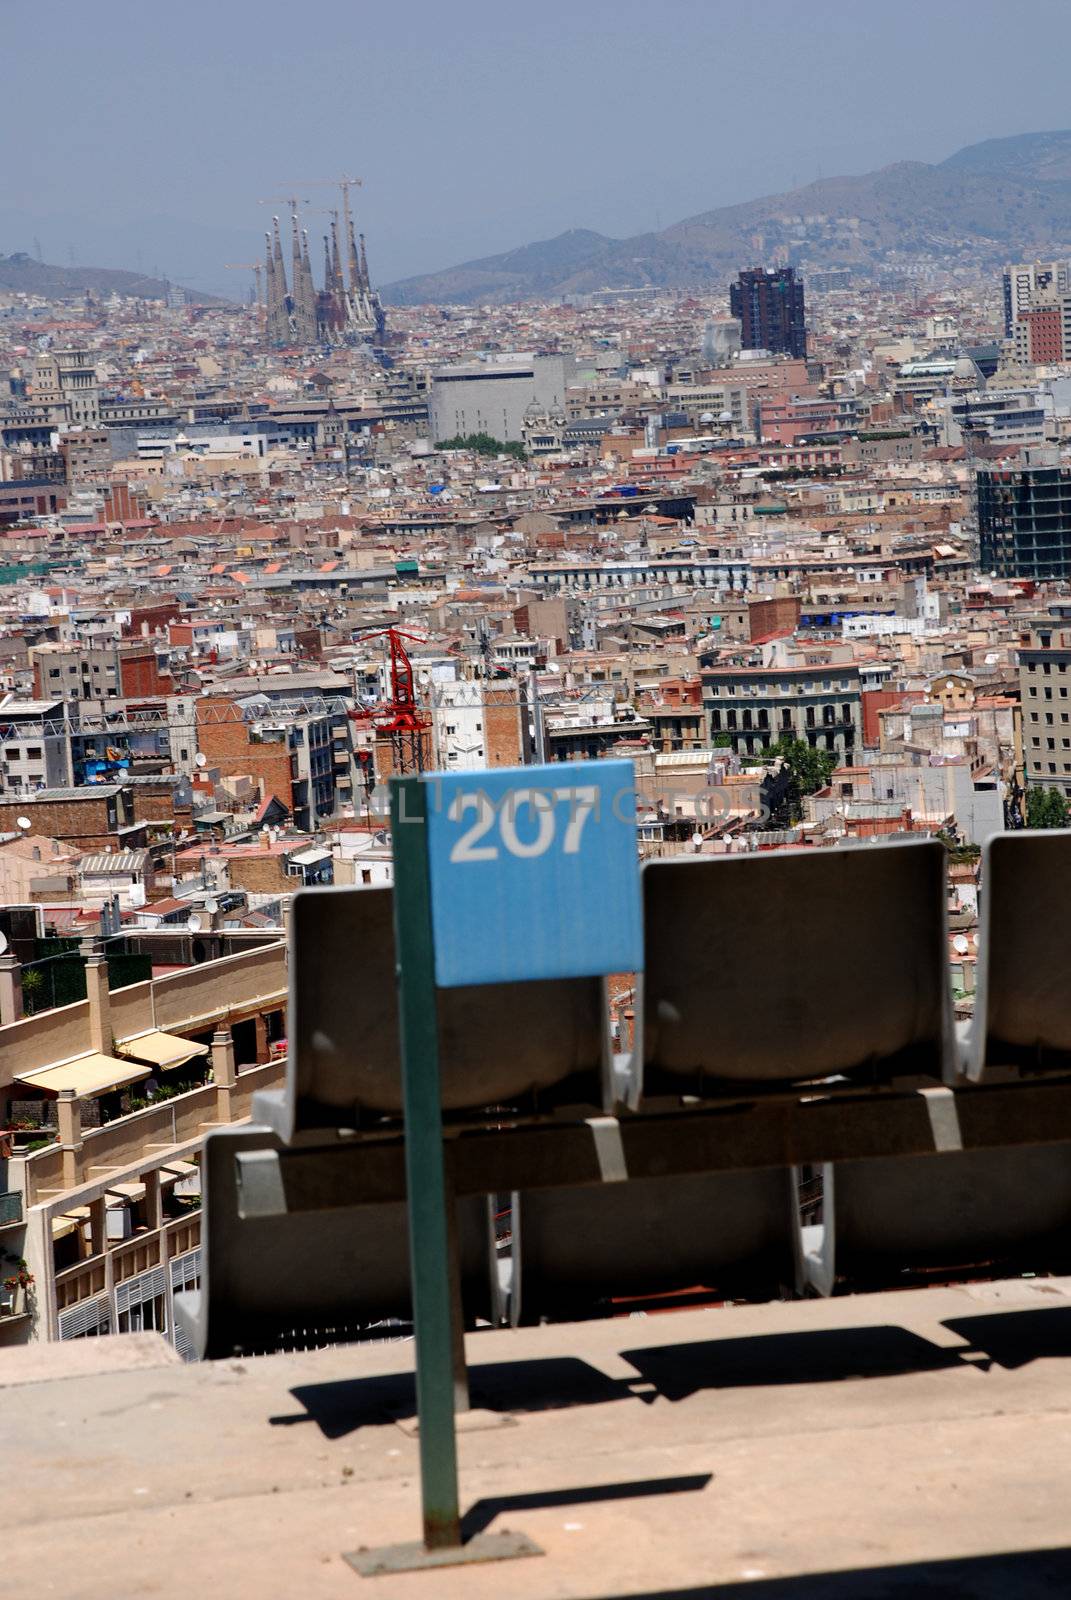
column 770, row 308
column 1024, row 521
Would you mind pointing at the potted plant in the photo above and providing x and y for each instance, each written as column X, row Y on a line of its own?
column 16, row 1285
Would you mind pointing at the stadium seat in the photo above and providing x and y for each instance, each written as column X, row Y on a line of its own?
column 795, row 966
column 578, row 1250
column 299, row 1278
column 1022, row 1015
column 523, row 1046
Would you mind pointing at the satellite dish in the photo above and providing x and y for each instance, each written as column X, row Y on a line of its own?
column 24, row 823
column 3, row 943
column 211, row 906
column 195, row 922
column 961, row 944
column 200, row 759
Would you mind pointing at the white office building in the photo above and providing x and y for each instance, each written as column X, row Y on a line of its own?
column 492, row 395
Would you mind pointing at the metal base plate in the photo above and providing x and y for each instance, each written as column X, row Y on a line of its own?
column 415, row 1557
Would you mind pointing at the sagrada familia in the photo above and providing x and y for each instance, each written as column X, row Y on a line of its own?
column 340, row 312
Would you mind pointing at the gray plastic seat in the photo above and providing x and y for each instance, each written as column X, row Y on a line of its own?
column 308, row 1278
column 525, row 1046
column 1022, row 1016
column 961, row 1210
column 1000, row 1211
column 795, row 965
column 729, row 1234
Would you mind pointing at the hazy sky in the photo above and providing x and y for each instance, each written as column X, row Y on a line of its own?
column 479, row 125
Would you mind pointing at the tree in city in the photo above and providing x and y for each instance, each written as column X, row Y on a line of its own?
column 808, row 770
column 1046, row 808
column 811, row 769
column 484, row 444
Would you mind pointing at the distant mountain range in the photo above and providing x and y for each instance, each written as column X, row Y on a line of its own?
column 991, row 202
column 24, row 274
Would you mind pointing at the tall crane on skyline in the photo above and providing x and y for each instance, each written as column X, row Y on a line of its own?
column 255, row 267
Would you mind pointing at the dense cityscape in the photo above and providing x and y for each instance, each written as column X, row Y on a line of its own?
column 805, row 564
column 793, row 539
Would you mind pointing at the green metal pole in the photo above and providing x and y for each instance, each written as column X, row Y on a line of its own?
column 424, row 1168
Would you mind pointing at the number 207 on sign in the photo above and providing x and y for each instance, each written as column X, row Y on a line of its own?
column 533, row 872
column 478, row 842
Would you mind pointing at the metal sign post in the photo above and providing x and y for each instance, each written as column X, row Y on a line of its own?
column 429, row 1230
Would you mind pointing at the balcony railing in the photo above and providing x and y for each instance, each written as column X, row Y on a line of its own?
column 130, row 1139
column 81, row 1282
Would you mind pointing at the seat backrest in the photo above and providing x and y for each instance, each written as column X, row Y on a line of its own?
column 497, row 1043
column 314, row 1277
column 1022, row 1011
column 793, row 965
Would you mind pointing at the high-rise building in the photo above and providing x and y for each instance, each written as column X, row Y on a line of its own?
column 1024, row 518
column 1032, row 283
column 1045, row 696
column 770, row 308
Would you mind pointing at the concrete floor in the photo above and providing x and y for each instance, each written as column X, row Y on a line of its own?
column 905, row 1444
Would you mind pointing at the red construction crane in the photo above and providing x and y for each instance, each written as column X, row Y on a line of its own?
column 399, row 718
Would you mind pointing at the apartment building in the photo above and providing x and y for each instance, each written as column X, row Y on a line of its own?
column 300, row 752
column 1045, row 695
column 476, row 725
column 80, row 671
column 99, row 1177
column 35, row 747
column 754, row 707
column 1026, row 283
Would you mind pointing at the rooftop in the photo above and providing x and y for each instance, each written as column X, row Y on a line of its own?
column 869, row 1447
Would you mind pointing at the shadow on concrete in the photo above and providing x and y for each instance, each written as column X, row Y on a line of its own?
column 1012, row 1575
column 484, row 1512
column 1015, row 1338
column 507, row 1386
column 672, row 1372
column 823, row 1356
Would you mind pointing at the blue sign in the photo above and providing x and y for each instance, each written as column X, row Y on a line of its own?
column 534, row 873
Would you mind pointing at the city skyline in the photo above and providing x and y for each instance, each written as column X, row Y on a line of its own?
column 477, row 133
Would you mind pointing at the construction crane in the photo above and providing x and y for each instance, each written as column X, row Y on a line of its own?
column 255, row 267
column 344, row 183
column 399, row 719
